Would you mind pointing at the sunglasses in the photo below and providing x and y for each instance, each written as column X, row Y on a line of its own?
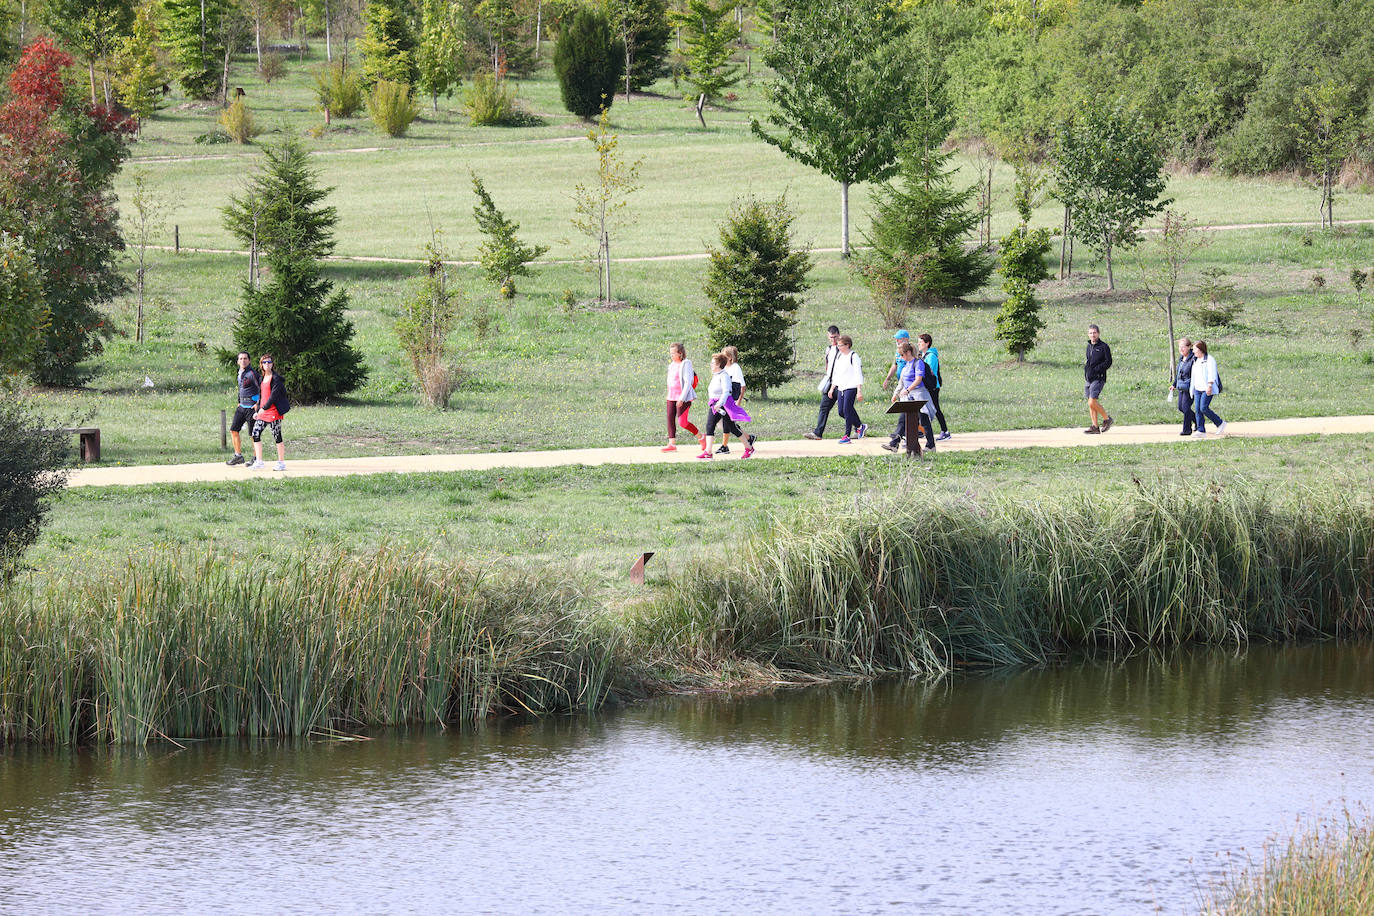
column 267, row 362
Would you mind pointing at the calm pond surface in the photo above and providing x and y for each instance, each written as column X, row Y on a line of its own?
column 1099, row 788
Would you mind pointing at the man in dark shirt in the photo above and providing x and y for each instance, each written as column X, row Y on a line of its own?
column 1096, row 362
column 249, row 392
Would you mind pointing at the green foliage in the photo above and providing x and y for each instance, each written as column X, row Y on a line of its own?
column 392, row 107
column 645, row 33
column 138, row 73
column 430, row 316
column 599, row 208
column 1018, row 323
column 23, row 313
column 339, row 90
column 502, row 255
column 754, row 284
column 1326, row 128
column 388, row 44
column 1110, row 175
column 238, row 122
column 439, row 57
column 490, row 102
column 296, row 317
column 710, row 33
column 32, row 458
column 506, row 28
column 94, row 28
column 589, row 62
column 1218, row 303
column 197, row 46
column 847, row 85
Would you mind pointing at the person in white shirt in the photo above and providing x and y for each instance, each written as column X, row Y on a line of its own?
column 847, row 389
column 737, row 386
column 1206, row 385
column 716, row 394
column 827, row 383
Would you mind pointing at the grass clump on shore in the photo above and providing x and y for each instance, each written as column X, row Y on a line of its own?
column 905, row 583
column 1327, row 870
column 289, row 646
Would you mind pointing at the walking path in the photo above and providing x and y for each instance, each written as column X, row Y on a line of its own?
column 686, row 454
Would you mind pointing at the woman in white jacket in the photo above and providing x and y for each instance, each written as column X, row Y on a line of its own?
column 680, row 395
column 1206, row 385
column 848, row 388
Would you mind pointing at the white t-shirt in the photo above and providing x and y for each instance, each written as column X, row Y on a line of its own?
column 849, row 371
column 736, row 374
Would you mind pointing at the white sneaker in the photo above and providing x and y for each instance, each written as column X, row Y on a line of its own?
column 257, row 465
column 1199, row 434
column 1221, row 430
column 279, row 466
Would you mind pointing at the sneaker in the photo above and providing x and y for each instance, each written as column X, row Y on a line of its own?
column 810, row 435
column 279, row 466
column 889, row 446
column 257, row 465
column 751, row 440
column 707, row 455
column 1186, row 432
column 930, row 447
column 237, row 459
column 668, row 448
column 1107, row 424
column 844, row 440
column 701, row 443
column 723, row 450
column 1092, row 430
column 863, row 428
column 1221, row 430
column 747, row 452
column 943, row 436
column 1199, row 434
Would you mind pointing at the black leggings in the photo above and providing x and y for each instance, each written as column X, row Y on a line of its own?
column 260, row 425
column 935, row 406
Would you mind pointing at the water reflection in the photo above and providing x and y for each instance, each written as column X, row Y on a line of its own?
column 1094, row 788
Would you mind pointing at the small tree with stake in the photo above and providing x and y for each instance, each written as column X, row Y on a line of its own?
column 1326, row 127
column 598, row 208
column 754, row 282
column 1177, row 243
column 503, row 256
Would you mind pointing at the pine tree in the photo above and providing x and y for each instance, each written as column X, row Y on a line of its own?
column 297, row 317
column 388, row 44
column 503, row 256
column 589, row 62
column 754, row 283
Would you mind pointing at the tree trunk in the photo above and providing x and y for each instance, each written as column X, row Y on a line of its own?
column 138, row 335
column 90, row 64
column 627, row 68
column 701, row 103
column 328, row 46
column 257, row 37
column 538, row 31
column 1169, row 309
column 1111, row 280
column 1064, row 244
column 844, row 219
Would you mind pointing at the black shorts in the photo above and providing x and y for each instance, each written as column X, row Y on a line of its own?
column 241, row 416
column 260, row 425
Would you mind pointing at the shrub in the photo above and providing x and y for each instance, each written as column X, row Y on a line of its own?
column 391, row 107
column 430, row 316
column 1218, row 306
column 31, row 462
column 502, row 255
column 23, row 313
column 237, row 121
column 589, row 62
column 490, row 101
column 1018, row 322
column 339, row 91
column 273, row 67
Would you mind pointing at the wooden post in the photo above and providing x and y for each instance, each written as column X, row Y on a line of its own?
column 176, row 240
column 223, row 430
column 701, row 103
column 637, row 570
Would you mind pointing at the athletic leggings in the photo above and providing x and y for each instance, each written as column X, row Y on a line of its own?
column 260, row 425
column 935, row 406
column 679, row 418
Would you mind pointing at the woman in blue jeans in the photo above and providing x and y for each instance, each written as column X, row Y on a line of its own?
column 1206, row 384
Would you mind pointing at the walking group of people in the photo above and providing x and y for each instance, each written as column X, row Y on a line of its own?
column 1195, row 384
column 916, row 368
column 262, row 399
column 723, row 395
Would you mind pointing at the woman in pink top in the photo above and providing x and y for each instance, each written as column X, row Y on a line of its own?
column 680, row 395
column 272, row 404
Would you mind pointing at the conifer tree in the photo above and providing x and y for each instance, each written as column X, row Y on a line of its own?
column 388, row 44
column 589, row 61
column 710, row 33
column 503, row 256
column 1018, row 322
column 754, row 282
column 297, row 317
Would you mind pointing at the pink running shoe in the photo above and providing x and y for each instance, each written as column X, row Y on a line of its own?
column 706, row 455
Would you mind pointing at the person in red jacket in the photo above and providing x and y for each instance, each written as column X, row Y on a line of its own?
column 270, row 408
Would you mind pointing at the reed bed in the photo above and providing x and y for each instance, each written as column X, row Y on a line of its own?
column 922, row 583
column 1326, row 870
column 173, row 649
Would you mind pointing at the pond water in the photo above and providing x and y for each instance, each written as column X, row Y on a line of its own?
column 1097, row 788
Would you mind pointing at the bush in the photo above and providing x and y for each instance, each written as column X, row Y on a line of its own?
column 502, row 255
column 339, row 91
column 1018, row 323
column 1218, row 305
column 423, row 331
column 490, row 101
column 273, row 67
column 31, row 474
column 237, row 121
column 391, row 107
column 589, row 62
column 23, row 313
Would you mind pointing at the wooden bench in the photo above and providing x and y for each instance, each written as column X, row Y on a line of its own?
column 90, row 441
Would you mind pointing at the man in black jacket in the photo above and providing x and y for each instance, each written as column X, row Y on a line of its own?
column 1095, row 365
column 248, row 383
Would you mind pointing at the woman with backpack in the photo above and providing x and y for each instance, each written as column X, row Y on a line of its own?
column 682, row 381
column 1206, row 385
column 271, row 406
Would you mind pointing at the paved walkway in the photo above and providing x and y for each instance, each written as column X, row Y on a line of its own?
column 686, row 454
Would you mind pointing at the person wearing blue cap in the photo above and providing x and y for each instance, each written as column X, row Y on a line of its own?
column 898, row 364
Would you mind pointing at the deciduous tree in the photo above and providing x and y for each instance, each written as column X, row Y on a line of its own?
column 710, row 32
column 388, row 44
column 599, row 208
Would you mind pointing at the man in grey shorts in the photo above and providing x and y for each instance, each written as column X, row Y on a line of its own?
column 1096, row 362
column 249, row 392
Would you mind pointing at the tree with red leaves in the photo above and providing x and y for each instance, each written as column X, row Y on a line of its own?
column 58, row 160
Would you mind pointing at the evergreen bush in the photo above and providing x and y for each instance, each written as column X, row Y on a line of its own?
column 490, row 101
column 32, row 458
column 502, row 255
column 339, row 90
column 423, row 331
column 1018, row 323
column 589, row 62
column 392, row 107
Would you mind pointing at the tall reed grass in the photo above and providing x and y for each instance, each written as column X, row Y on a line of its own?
column 206, row 648
column 1326, row 870
column 919, row 583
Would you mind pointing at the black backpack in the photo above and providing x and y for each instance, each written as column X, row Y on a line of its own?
column 282, row 401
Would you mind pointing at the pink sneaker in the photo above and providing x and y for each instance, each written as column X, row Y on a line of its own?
column 707, row 455
column 668, row 448
column 747, row 453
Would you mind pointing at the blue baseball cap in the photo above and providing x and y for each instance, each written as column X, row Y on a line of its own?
column 901, row 335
